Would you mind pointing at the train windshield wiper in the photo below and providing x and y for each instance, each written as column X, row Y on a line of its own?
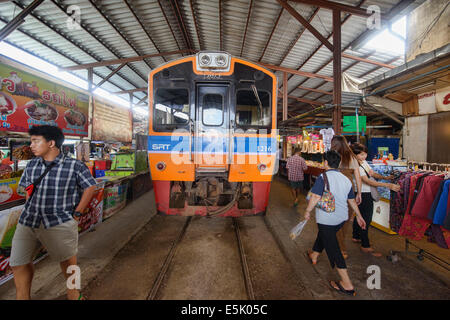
column 255, row 91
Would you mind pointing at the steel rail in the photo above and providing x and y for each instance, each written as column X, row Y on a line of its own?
column 244, row 264
column 167, row 262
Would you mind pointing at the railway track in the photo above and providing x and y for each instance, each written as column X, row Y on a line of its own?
column 169, row 258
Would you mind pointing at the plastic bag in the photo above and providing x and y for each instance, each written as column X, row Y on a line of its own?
column 297, row 229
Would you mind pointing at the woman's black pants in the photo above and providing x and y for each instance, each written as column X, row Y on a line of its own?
column 366, row 209
column 326, row 239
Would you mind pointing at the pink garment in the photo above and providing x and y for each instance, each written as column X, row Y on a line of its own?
column 430, row 188
column 413, row 228
column 412, row 186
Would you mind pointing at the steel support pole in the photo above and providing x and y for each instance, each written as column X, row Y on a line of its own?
column 337, row 69
column 285, row 110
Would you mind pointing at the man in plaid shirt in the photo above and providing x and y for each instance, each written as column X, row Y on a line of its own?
column 50, row 217
column 296, row 165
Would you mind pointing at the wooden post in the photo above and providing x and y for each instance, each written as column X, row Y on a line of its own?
column 285, row 110
column 131, row 108
column 337, row 69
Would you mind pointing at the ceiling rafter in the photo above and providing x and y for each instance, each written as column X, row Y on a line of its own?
column 195, row 24
column 299, row 36
column 81, row 47
column 306, row 24
column 132, row 10
column 55, row 50
column 271, row 34
column 180, row 22
column 246, row 26
column 107, row 19
column 220, row 25
column 168, row 23
column 78, row 45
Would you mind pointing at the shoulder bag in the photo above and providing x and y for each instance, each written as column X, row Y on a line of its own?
column 373, row 190
column 326, row 202
column 32, row 187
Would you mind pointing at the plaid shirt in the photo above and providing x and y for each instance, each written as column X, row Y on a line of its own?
column 58, row 194
column 296, row 165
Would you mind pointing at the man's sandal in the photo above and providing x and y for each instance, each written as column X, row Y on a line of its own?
column 341, row 289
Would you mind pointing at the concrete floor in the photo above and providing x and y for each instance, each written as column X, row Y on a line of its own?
column 135, row 237
column 407, row 279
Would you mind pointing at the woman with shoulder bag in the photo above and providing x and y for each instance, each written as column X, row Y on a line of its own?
column 349, row 167
column 368, row 195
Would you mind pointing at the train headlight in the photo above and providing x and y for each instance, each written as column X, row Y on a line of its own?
column 160, row 166
column 262, row 167
column 218, row 61
column 205, row 60
column 221, row 61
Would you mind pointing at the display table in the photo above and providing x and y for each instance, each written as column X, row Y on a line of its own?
column 381, row 209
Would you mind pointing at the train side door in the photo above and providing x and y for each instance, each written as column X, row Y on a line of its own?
column 212, row 123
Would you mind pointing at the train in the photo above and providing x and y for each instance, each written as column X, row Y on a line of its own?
column 212, row 137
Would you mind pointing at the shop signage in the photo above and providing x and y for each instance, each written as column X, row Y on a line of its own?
column 27, row 100
column 443, row 99
column 350, row 124
column 10, row 191
column 111, row 122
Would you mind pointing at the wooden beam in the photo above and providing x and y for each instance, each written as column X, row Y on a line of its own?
column 336, row 6
column 316, row 103
column 306, row 24
column 125, row 60
column 380, row 64
column 109, row 76
column 296, row 72
column 131, row 90
column 316, row 90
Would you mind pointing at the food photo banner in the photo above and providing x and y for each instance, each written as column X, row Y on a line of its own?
column 27, row 100
column 111, row 122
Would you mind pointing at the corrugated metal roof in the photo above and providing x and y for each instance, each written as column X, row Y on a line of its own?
column 124, row 28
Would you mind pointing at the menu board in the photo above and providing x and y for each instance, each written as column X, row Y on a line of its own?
column 27, row 100
column 111, row 122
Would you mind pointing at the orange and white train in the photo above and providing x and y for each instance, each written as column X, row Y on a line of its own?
column 212, row 138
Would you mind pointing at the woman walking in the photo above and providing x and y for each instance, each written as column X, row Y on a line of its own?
column 366, row 205
column 330, row 223
column 349, row 167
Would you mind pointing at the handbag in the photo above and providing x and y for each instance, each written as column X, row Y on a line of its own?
column 373, row 190
column 31, row 189
column 326, row 202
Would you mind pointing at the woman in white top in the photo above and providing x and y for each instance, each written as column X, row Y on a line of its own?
column 366, row 205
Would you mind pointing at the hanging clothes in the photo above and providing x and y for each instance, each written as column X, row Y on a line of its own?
column 426, row 196
column 397, row 211
column 413, row 228
column 437, row 236
column 436, row 201
column 441, row 209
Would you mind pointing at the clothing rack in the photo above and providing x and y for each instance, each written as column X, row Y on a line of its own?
column 428, row 166
column 422, row 253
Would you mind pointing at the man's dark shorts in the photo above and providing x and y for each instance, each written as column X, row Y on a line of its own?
column 296, row 184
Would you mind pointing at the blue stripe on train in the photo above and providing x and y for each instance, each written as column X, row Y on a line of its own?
column 165, row 144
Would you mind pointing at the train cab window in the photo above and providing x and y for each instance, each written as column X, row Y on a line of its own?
column 253, row 110
column 171, row 108
column 212, row 109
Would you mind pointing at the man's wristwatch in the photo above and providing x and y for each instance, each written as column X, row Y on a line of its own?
column 77, row 214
